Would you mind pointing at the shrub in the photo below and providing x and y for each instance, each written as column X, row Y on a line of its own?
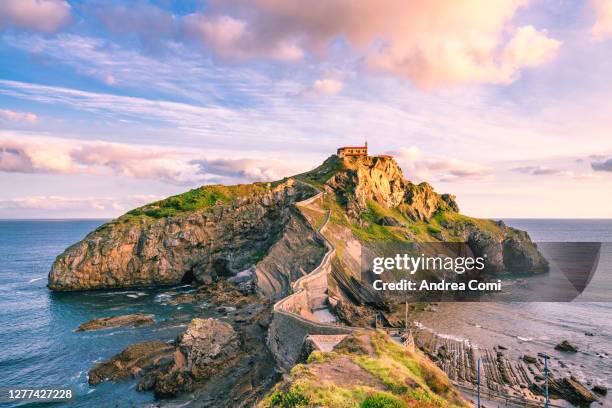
column 382, row 400
column 289, row 399
column 433, row 230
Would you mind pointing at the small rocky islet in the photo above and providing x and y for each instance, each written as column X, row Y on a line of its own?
column 244, row 247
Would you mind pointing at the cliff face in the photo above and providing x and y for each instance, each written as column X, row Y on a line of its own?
column 217, row 240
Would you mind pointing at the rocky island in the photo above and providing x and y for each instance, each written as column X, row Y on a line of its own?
column 282, row 263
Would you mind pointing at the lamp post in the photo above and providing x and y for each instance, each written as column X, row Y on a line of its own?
column 546, row 378
column 478, row 382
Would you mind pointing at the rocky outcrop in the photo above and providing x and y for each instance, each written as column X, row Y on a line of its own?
column 201, row 245
column 133, row 362
column 380, row 179
column 205, row 348
column 136, row 319
column 566, row 346
column 509, row 250
column 569, row 389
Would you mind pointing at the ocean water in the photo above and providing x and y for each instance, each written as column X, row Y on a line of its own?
column 38, row 345
column 39, row 348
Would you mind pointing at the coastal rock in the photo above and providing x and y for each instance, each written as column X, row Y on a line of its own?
column 566, row 346
column 143, row 248
column 520, row 254
column 600, row 389
column 204, row 349
column 136, row 319
column 133, row 361
column 207, row 345
column 529, row 359
column 568, row 389
column 509, row 251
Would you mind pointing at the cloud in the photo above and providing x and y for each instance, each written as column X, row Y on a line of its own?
column 14, row 116
column 248, row 169
column 62, row 203
column 419, row 167
column 325, row 86
column 150, row 24
column 171, row 165
column 602, row 29
column 66, row 156
column 46, row 16
column 550, row 171
column 230, row 38
column 602, row 165
column 431, row 43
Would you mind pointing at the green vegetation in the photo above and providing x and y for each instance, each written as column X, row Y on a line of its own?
column 383, row 400
column 319, row 357
column 289, row 399
column 370, row 370
column 197, row 199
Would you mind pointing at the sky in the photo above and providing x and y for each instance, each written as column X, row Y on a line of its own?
column 106, row 105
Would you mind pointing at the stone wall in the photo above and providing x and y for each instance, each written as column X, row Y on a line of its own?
column 288, row 328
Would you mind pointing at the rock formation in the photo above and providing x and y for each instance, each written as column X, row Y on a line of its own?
column 136, row 319
column 218, row 231
column 202, row 244
column 205, row 348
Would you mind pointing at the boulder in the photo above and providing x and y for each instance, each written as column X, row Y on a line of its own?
column 203, row 350
column 566, row 346
column 600, row 389
column 529, row 359
column 136, row 319
column 207, row 345
column 389, row 221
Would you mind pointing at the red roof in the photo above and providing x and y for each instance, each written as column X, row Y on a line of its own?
column 353, row 147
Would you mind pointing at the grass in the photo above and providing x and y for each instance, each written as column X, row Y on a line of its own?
column 383, row 400
column 198, row 199
column 403, row 379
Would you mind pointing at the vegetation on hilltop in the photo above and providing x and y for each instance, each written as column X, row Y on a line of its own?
column 366, row 370
column 198, row 199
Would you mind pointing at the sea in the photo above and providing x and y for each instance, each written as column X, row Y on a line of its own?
column 39, row 347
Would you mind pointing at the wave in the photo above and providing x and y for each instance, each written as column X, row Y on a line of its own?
column 36, row 279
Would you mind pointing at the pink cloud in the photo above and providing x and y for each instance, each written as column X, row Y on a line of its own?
column 14, row 116
column 230, row 38
column 431, row 43
column 177, row 166
column 36, row 15
column 420, row 167
column 325, row 86
column 602, row 29
column 62, row 203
